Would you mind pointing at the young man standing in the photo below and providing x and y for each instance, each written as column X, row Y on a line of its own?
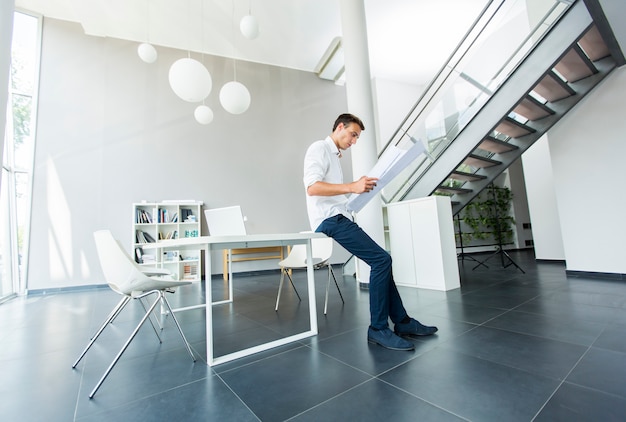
column 327, row 197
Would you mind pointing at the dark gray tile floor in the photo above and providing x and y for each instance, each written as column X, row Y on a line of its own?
column 510, row 347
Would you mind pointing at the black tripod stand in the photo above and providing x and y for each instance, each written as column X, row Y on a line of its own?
column 499, row 234
column 463, row 256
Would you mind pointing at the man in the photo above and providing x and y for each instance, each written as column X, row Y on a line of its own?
column 326, row 197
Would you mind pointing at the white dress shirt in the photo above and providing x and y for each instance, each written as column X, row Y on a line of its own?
column 321, row 164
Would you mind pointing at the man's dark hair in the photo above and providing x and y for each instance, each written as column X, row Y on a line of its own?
column 346, row 119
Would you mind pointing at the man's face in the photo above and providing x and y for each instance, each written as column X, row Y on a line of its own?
column 347, row 135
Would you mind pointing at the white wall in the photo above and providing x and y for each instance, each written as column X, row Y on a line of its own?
column 519, row 204
column 392, row 101
column 588, row 149
column 111, row 132
column 542, row 203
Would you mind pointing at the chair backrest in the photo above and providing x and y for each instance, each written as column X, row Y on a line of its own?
column 322, row 249
column 122, row 274
column 225, row 221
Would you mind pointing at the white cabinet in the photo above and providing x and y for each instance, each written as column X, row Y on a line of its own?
column 156, row 221
column 421, row 241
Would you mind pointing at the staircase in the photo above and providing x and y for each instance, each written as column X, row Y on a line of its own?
column 561, row 59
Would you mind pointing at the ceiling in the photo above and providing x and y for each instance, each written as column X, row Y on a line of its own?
column 408, row 40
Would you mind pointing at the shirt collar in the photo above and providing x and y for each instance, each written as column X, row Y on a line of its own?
column 333, row 147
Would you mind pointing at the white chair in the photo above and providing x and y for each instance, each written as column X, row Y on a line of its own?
column 322, row 249
column 126, row 278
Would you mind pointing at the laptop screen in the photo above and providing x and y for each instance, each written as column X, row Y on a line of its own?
column 225, row 221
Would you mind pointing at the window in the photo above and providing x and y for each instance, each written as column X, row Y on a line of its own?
column 17, row 166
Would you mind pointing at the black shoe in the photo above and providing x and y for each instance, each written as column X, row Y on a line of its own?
column 388, row 340
column 413, row 328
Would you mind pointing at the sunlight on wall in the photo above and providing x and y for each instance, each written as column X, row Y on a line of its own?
column 60, row 229
column 85, row 271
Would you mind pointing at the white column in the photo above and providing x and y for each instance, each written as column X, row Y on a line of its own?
column 361, row 104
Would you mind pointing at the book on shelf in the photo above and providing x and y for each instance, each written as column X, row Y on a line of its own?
column 149, row 258
column 169, row 235
column 190, row 271
column 143, row 216
column 139, row 255
column 171, row 256
column 185, row 213
column 143, row 237
column 162, row 215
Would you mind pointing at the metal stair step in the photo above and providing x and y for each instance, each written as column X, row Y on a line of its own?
column 593, row 45
column 480, row 162
column 575, row 65
column 495, row 146
column 532, row 109
column 513, row 128
column 453, row 190
column 553, row 88
column 466, row 177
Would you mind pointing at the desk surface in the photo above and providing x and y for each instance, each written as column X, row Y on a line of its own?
column 237, row 241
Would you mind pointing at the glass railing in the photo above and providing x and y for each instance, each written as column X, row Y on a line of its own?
column 501, row 37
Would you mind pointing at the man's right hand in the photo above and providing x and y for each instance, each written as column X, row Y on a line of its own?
column 364, row 184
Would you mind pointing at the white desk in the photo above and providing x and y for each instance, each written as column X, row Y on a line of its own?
column 211, row 243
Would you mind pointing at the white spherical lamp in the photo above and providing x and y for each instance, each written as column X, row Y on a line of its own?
column 235, row 97
column 147, row 52
column 190, row 80
column 249, row 27
column 203, row 114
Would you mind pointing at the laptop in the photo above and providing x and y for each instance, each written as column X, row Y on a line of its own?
column 225, row 221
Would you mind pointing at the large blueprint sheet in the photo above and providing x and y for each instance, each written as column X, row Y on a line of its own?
column 389, row 165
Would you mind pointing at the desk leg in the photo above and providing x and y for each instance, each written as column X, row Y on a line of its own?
column 230, row 275
column 209, row 308
column 212, row 360
column 311, row 285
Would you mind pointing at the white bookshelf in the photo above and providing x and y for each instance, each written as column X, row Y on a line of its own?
column 156, row 221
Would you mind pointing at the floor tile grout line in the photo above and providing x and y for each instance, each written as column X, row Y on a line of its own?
column 566, row 376
column 81, row 383
column 166, row 391
column 253, row 362
column 424, row 400
column 237, row 395
column 330, row 398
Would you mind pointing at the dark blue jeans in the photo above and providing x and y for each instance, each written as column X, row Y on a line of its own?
column 385, row 300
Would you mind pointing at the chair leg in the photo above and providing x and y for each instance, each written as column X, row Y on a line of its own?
column 114, row 313
column 280, row 286
column 326, row 295
column 294, row 287
column 331, row 273
column 132, row 336
column 143, row 305
column 336, row 284
column 180, row 330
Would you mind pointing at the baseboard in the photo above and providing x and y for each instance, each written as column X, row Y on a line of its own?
column 598, row 275
column 550, row 261
column 55, row 290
